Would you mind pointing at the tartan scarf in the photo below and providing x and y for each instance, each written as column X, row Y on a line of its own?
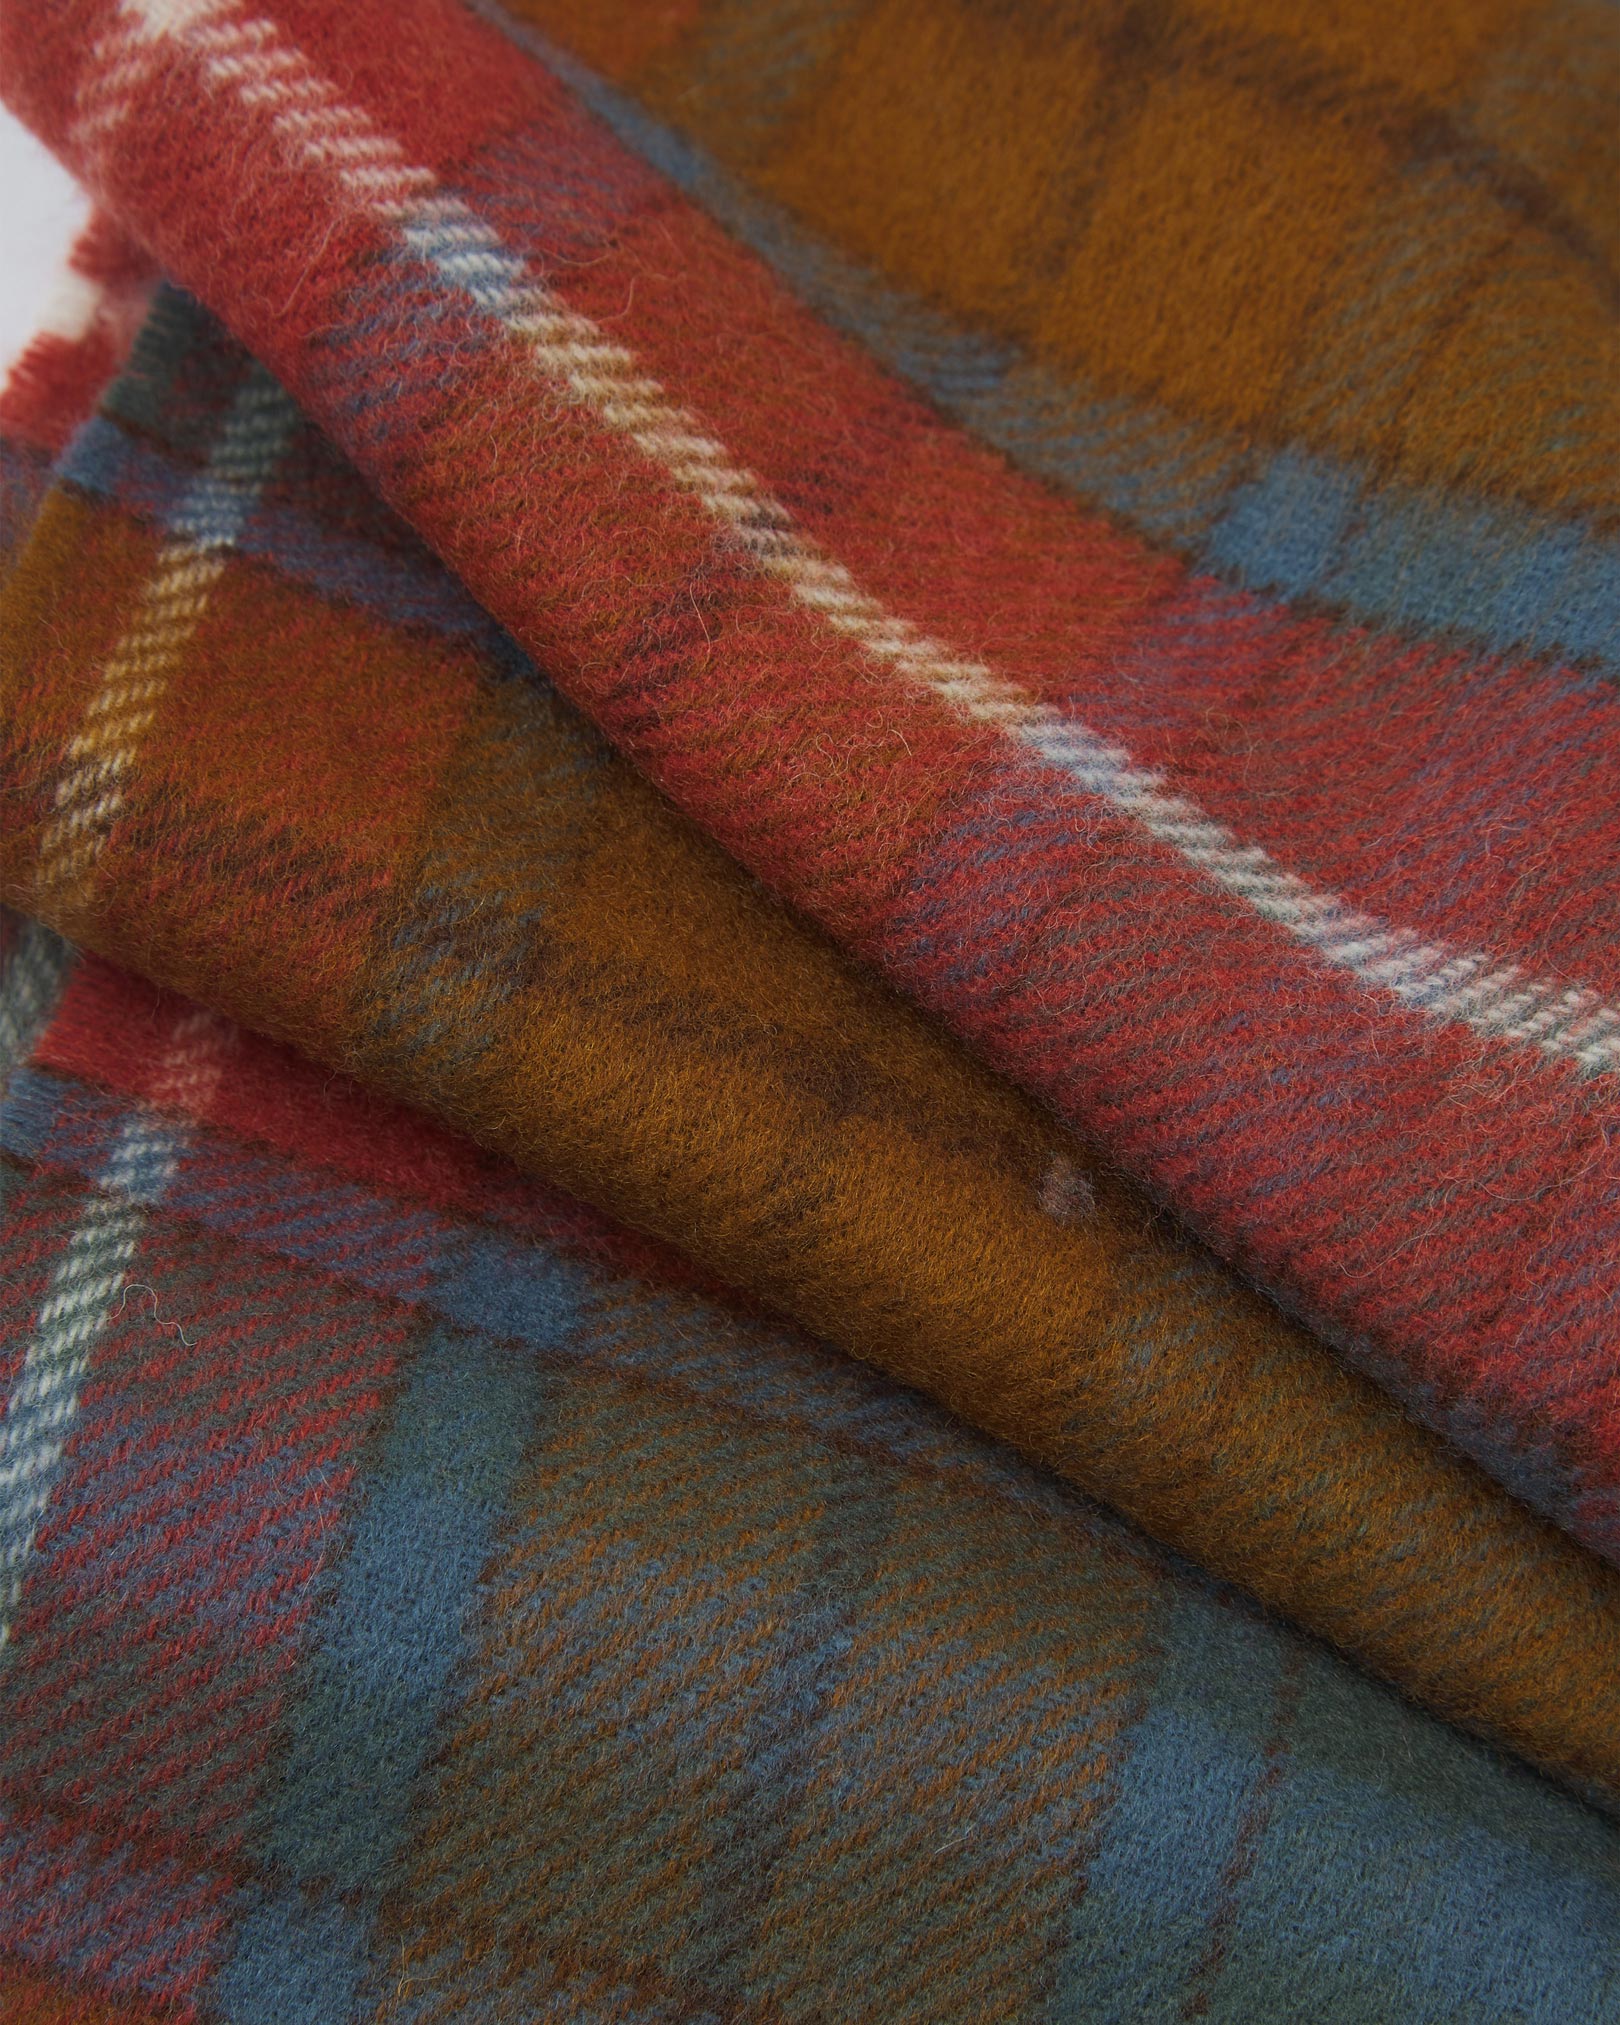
column 1051, row 755
column 446, row 1608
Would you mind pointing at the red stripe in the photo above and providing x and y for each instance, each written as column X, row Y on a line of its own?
column 106, row 1031
column 1401, row 1177
column 140, row 1545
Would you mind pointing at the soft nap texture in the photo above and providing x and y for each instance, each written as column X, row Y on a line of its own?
column 1101, row 513
column 349, row 814
column 971, row 727
column 617, row 1654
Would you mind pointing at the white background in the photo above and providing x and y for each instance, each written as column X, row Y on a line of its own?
column 41, row 211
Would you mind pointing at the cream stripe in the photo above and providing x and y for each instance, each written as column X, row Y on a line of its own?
column 75, row 303
column 44, row 1401
column 249, row 57
column 100, row 757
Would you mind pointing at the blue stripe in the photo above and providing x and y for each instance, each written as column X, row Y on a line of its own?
column 295, row 1962
column 1190, row 1771
column 408, row 589
column 1485, row 1897
column 1486, row 1883
column 1284, row 522
column 434, row 1495
column 1487, row 1890
column 479, row 1278
column 377, row 1679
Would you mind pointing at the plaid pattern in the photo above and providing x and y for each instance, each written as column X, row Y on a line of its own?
column 1322, row 298
column 99, row 303
column 617, row 1654
column 1183, row 862
column 421, row 1597
column 467, row 900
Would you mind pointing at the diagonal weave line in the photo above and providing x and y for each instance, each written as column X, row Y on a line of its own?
column 251, row 58
column 78, row 1305
column 1198, row 491
column 101, row 755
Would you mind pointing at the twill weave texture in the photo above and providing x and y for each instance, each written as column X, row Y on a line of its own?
column 809, row 1015
column 405, row 853
column 742, row 1660
column 1014, row 753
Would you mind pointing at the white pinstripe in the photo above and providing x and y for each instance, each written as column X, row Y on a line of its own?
column 102, row 753
column 44, row 1401
column 250, row 57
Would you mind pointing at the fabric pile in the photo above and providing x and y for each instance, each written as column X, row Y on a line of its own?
column 811, row 1016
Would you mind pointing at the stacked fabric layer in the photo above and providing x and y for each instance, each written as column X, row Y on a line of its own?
column 429, row 1596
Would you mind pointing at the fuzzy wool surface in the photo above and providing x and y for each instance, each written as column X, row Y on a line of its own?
column 278, row 760
column 748, row 681
column 617, row 1652
column 1305, row 916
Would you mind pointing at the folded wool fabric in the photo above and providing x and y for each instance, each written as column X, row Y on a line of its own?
column 617, row 1654
column 102, row 298
column 345, row 812
column 1322, row 297
column 1107, row 512
column 1309, row 921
